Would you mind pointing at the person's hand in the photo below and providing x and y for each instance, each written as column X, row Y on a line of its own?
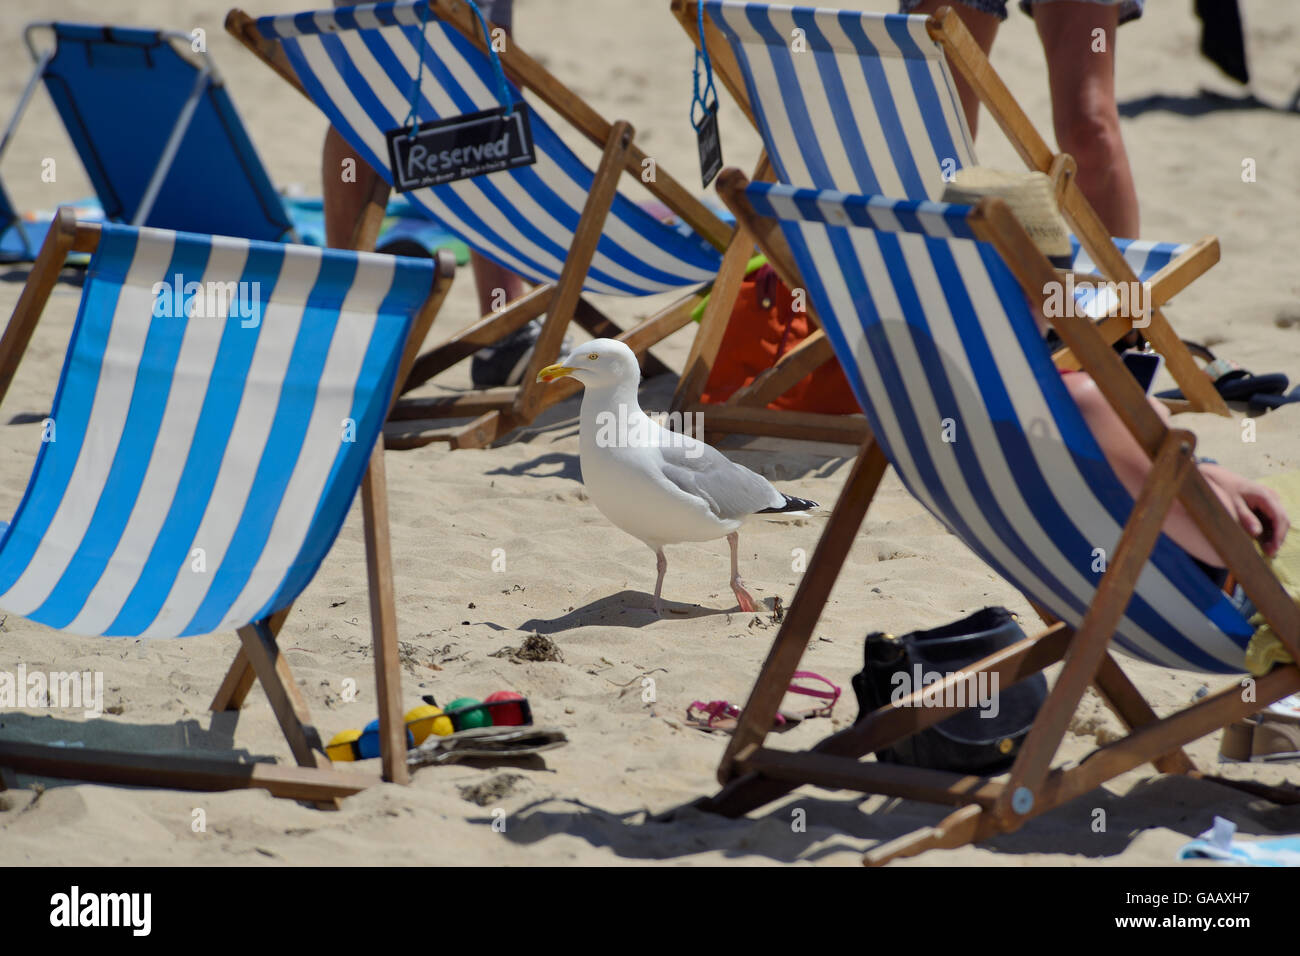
column 1256, row 507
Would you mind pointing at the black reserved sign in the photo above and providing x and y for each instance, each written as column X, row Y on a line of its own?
column 460, row 147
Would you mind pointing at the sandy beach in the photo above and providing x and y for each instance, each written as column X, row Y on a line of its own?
column 492, row 546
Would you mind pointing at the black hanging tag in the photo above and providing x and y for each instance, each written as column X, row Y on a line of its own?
column 710, row 144
column 459, row 147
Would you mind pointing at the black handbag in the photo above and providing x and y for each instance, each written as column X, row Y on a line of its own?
column 985, row 738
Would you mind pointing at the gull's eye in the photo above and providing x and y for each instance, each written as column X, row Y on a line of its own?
column 593, row 356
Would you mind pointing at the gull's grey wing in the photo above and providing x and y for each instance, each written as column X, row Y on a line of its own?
column 731, row 490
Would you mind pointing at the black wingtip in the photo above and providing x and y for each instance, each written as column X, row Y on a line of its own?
column 791, row 504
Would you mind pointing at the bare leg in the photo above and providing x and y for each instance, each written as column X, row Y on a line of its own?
column 661, row 562
column 984, row 28
column 747, row 601
column 497, row 286
column 1079, row 40
column 344, row 198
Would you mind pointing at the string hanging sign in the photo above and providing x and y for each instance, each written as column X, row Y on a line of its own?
column 459, row 147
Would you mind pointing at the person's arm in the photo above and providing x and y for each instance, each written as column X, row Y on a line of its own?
column 1240, row 496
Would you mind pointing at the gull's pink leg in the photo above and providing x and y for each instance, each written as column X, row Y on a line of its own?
column 747, row 601
column 662, row 564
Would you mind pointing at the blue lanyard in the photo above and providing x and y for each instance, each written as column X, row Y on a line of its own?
column 503, row 92
column 701, row 98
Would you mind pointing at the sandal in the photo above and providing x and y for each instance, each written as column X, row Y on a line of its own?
column 722, row 715
column 1236, row 384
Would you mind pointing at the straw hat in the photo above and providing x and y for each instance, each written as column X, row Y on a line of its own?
column 1032, row 200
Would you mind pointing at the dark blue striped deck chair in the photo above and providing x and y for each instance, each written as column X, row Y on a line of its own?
column 928, row 308
column 155, row 130
column 557, row 223
column 221, row 402
column 866, row 103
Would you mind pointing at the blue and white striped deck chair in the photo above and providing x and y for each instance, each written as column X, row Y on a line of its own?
column 360, row 64
column 219, row 406
column 927, row 308
column 866, row 103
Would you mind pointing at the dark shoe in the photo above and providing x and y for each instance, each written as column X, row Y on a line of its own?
column 506, row 362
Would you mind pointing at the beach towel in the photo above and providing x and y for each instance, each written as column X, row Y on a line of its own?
column 1217, row 843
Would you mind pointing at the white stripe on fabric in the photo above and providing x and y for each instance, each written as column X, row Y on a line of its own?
column 335, row 392
column 194, row 364
column 281, row 319
column 126, row 341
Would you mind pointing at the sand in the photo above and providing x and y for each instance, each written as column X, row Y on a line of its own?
column 626, row 678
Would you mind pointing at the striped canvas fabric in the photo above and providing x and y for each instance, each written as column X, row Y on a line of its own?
column 932, row 329
column 862, row 102
column 359, row 65
column 216, row 412
column 865, row 103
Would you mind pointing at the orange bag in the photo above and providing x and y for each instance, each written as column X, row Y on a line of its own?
column 764, row 326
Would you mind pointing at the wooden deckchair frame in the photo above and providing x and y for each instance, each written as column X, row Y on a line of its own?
column 259, row 658
column 965, row 54
column 496, row 411
column 753, row 775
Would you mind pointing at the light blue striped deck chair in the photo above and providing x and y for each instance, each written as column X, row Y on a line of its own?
column 220, row 404
column 557, row 222
column 927, row 306
column 866, row 103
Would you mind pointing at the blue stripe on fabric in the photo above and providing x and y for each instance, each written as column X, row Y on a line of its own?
column 135, row 447
column 882, row 98
column 741, row 52
column 796, row 109
column 171, row 549
column 375, row 381
column 927, row 97
column 78, row 381
column 283, row 443
column 842, row 112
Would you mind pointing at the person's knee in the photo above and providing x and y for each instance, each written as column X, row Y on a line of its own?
column 1091, row 134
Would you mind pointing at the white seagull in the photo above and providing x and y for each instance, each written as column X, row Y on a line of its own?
column 658, row 485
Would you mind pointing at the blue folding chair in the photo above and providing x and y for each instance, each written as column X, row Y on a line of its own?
column 931, row 309
column 866, row 103
column 155, row 129
column 555, row 222
column 221, row 401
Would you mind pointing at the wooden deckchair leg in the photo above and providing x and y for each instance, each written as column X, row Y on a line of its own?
column 240, row 676
column 806, row 608
column 1131, row 707
column 36, row 292
column 713, row 324
column 282, row 691
column 365, row 231
column 604, row 187
column 485, row 332
column 383, row 620
column 722, row 301
column 1169, row 469
column 790, row 369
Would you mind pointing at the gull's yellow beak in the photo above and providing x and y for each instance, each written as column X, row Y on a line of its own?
column 552, row 372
